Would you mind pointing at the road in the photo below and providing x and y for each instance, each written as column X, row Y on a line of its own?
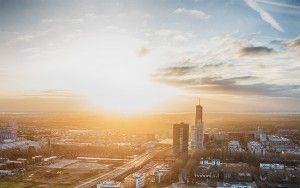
column 117, row 172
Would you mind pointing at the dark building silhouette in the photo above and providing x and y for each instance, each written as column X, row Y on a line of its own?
column 180, row 139
column 198, row 114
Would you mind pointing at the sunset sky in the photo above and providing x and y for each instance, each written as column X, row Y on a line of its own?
column 150, row 56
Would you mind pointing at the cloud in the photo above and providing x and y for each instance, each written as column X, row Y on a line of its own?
column 240, row 85
column 216, row 65
column 276, row 42
column 62, row 21
column 282, row 5
column 256, row 50
column 174, row 71
column 51, row 93
column 25, row 38
column 264, row 15
column 232, row 87
column 193, row 13
column 294, row 43
column 174, row 35
column 143, row 51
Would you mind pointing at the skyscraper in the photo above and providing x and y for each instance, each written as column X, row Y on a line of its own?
column 198, row 129
column 180, row 139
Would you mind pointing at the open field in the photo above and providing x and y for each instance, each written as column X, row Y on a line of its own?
column 50, row 177
column 7, row 184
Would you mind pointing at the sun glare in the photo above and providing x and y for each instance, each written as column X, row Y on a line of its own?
column 113, row 76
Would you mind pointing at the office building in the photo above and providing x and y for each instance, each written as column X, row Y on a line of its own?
column 135, row 180
column 198, row 129
column 180, row 139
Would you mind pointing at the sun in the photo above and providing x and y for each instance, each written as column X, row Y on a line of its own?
column 109, row 72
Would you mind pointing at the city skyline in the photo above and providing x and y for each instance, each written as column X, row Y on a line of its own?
column 134, row 57
column 149, row 93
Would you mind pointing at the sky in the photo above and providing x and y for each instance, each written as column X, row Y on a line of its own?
column 150, row 56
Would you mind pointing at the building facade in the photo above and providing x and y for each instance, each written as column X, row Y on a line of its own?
column 256, row 148
column 180, row 139
column 234, row 146
column 135, row 180
column 198, row 129
column 8, row 131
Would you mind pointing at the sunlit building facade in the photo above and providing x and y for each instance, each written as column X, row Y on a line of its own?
column 198, row 129
column 135, row 180
column 180, row 139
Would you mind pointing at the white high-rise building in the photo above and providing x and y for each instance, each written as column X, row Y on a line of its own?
column 261, row 135
column 198, row 130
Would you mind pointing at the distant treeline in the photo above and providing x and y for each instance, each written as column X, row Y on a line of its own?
column 155, row 123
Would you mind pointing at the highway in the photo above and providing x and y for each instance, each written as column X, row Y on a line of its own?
column 117, row 172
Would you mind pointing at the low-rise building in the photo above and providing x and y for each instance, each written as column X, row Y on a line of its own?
column 14, row 164
column 135, row 180
column 110, row 184
column 256, row 148
column 235, row 172
column 3, row 160
column 212, row 162
column 162, row 173
column 50, row 160
column 5, row 173
column 280, row 144
column 206, row 172
column 269, row 166
column 236, row 185
column 37, row 158
column 234, row 146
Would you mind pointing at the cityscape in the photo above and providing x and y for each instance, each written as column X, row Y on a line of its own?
column 149, row 94
column 184, row 156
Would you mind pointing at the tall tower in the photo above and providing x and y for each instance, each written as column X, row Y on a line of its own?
column 198, row 113
column 198, row 129
column 180, row 139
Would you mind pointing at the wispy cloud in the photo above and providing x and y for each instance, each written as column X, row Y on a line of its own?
column 264, row 15
column 175, row 71
column 240, row 85
column 143, row 51
column 282, row 5
column 170, row 35
column 294, row 43
column 69, row 21
column 194, row 13
column 256, row 50
column 217, row 68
